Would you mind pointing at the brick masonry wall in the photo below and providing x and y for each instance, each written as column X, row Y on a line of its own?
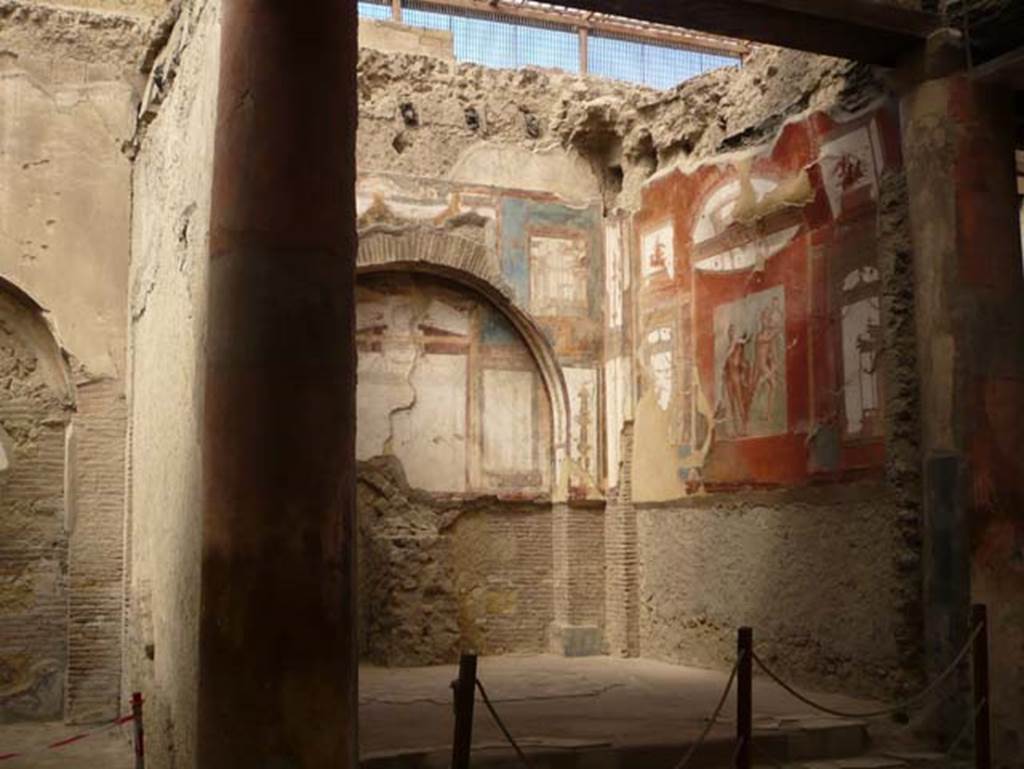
column 97, row 553
column 503, row 576
column 586, row 565
column 621, row 621
column 560, row 547
column 33, row 539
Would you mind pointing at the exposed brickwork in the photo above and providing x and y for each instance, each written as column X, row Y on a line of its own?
column 437, row 575
column 503, row 570
column 431, row 246
column 622, row 626
column 586, row 553
column 560, row 563
column 33, row 539
column 577, row 547
column 97, row 554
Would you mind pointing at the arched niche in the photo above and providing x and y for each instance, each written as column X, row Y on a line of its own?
column 26, row 318
column 421, row 250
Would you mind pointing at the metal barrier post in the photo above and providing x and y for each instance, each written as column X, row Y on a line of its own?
column 744, row 697
column 982, row 731
column 140, row 744
column 465, row 694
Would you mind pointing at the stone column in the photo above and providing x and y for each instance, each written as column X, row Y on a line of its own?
column 969, row 309
column 277, row 649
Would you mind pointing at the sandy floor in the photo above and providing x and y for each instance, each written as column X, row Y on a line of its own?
column 548, row 702
column 571, row 703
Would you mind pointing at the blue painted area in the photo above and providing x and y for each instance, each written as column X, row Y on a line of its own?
column 515, row 258
column 495, row 328
column 520, row 216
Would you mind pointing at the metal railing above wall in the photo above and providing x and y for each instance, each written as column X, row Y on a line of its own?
column 510, row 34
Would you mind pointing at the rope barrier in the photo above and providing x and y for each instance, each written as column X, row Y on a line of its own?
column 767, row 756
column 966, row 729
column 502, row 727
column 713, row 719
column 70, row 740
column 890, row 709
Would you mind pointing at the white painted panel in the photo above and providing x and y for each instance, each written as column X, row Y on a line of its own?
column 430, row 437
column 618, row 410
column 508, row 421
column 614, row 273
column 383, row 386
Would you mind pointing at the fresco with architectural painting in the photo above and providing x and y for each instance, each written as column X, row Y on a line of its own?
column 768, row 370
column 448, row 386
column 559, row 270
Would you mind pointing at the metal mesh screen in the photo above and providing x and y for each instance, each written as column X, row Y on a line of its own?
column 374, row 10
column 508, row 42
column 645, row 63
column 499, row 40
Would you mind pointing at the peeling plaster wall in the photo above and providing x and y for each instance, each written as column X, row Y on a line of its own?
column 448, row 387
column 173, row 177
column 529, row 168
column 66, row 110
column 454, row 432
column 651, row 157
column 773, row 319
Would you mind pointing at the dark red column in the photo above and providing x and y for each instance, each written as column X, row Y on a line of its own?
column 958, row 140
column 277, row 651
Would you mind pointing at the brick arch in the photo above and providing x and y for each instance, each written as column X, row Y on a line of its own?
column 463, row 261
column 29, row 320
column 432, row 246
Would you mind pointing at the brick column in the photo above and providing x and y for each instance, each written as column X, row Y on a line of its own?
column 277, row 648
column 969, row 309
column 579, row 565
column 622, row 592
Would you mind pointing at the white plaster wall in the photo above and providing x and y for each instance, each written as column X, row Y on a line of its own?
column 391, row 37
column 173, row 178
column 551, row 170
column 63, row 175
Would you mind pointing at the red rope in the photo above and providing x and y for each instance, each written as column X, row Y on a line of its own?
column 69, row 740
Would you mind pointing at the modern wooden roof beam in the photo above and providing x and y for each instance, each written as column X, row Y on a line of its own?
column 864, row 30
